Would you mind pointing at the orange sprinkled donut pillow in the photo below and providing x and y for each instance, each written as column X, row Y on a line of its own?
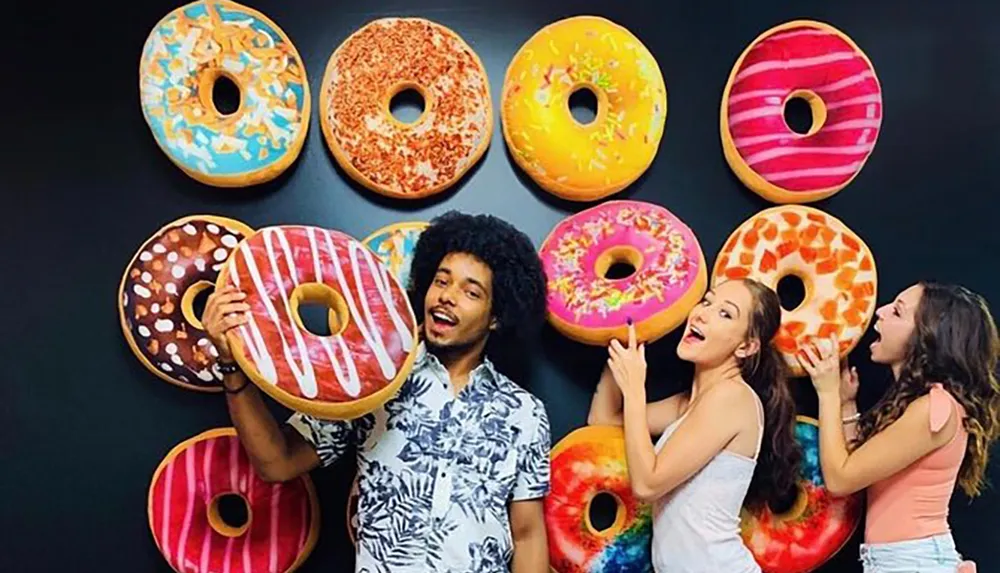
column 406, row 160
column 835, row 266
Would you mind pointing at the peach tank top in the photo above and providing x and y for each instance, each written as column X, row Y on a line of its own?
column 913, row 503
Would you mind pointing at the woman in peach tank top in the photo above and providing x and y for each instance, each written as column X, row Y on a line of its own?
column 932, row 429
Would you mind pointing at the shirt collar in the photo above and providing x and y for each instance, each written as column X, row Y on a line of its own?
column 485, row 371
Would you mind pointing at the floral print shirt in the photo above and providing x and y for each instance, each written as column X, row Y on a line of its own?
column 436, row 471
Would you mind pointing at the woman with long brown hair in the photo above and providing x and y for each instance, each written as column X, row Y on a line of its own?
column 726, row 443
column 930, row 431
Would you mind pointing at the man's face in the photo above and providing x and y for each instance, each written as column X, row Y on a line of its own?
column 457, row 306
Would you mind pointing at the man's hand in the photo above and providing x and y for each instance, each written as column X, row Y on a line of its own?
column 224, row 311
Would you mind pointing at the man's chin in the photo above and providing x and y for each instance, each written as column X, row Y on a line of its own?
column 439, row 346
column 435, row 343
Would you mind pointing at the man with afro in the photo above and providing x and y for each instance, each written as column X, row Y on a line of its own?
column 452, row 470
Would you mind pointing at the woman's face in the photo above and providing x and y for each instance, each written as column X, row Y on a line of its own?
column 895, row 326
column 716, row 328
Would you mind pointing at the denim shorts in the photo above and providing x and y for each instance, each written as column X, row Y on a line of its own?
column 936, row 554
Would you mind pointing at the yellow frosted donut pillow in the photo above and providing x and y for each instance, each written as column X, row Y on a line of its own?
column 583, row 162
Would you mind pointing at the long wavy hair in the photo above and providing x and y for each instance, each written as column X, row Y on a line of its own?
column 954, row 342
column 776, row 475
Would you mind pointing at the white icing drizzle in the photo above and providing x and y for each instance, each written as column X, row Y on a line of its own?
column 353, row 383
column 254, row 341
column 374, row 342
column 306, row 377
column 382, row 284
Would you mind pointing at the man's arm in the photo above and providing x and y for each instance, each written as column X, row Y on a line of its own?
column 527, row 519
column 531, row 545
column 277, row 454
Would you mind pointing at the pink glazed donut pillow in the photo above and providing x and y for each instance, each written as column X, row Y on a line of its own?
column 617, row 261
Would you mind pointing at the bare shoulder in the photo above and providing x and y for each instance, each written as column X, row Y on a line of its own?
column 920, row 408
column 725, row 403
column 727, row 394
column 937, row 408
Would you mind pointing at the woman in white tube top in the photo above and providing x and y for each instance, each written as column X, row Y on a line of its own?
column 725, row 443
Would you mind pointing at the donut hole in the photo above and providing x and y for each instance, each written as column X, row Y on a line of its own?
column 407, row 105
column 791, row 292
column 602, row 512
column 618, row 263
column 619, row 270
column 229, row 514
column 194, row 300
column 319, row 309
column 785, row 504
column 200, row 300
column 583, row 105
column 225, row 95
column 804, row 112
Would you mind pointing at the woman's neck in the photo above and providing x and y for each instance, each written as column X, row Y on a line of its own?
column 707, row 376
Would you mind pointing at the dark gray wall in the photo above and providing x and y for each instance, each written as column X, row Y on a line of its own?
column 84, row 424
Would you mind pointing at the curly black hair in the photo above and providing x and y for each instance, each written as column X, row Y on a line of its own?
column 519, row 299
